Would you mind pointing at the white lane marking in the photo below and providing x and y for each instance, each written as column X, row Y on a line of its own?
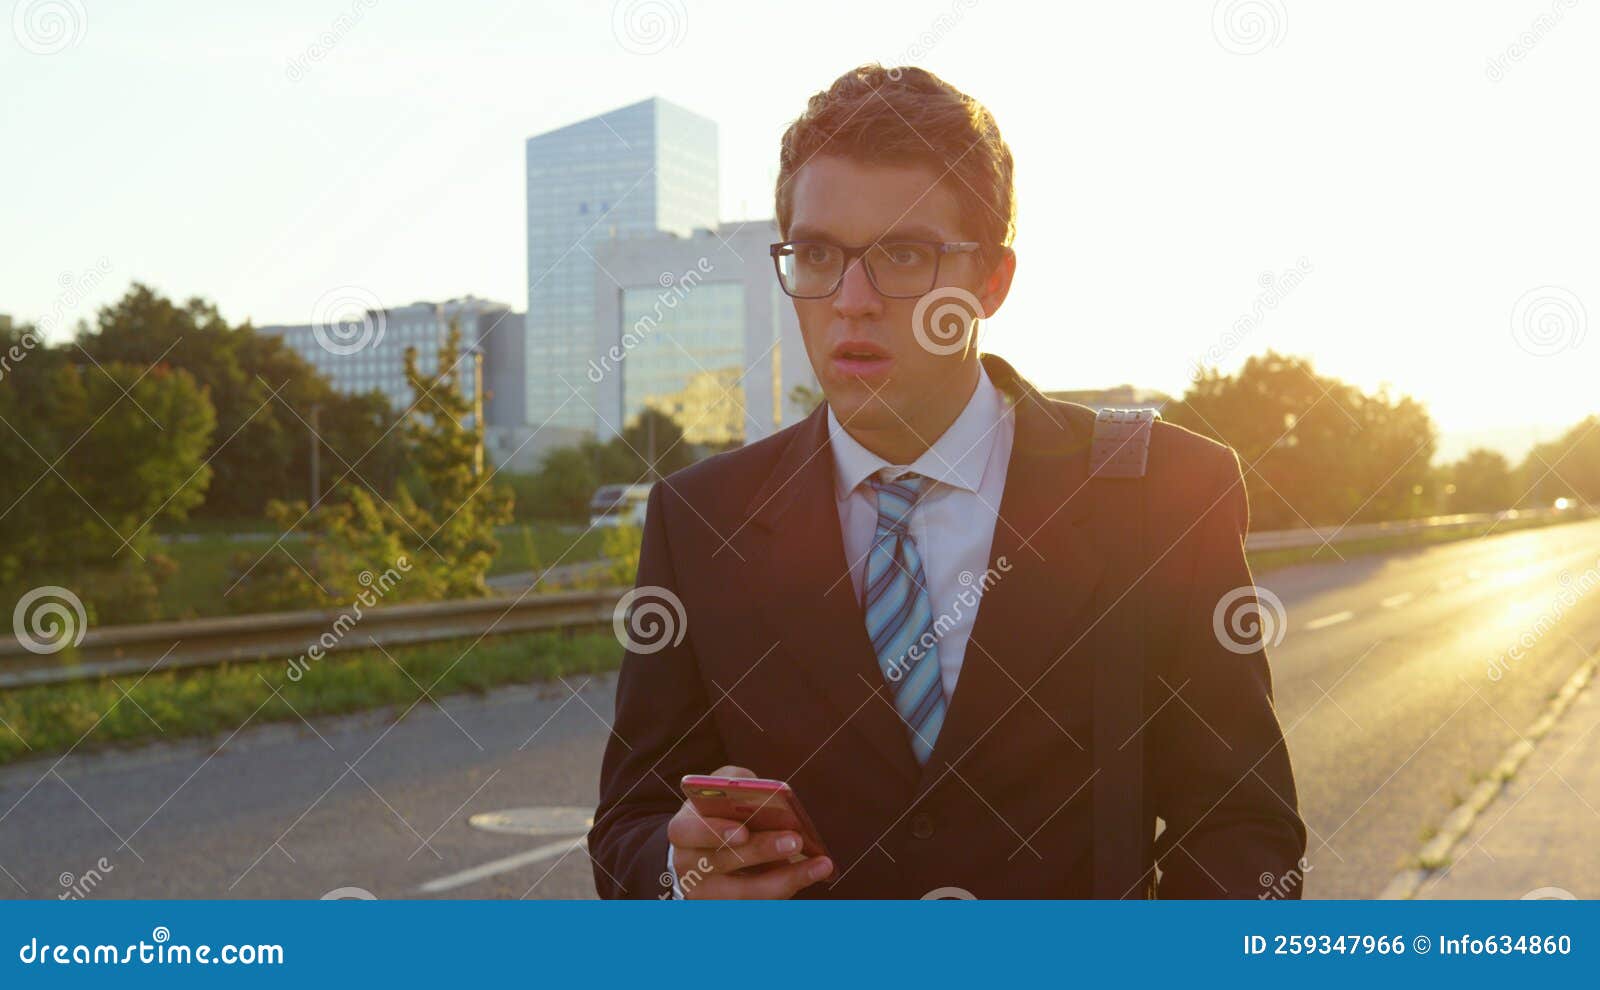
column 1395, row 601
column 1330, row 620
column 506, row 865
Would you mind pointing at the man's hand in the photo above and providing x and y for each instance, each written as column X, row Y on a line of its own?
column 706, row 852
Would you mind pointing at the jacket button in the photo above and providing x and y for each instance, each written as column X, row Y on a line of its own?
column 921, row 826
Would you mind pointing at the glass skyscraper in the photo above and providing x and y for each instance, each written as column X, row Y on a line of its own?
column 697, row 328
column 690, row 361
column 650, row 166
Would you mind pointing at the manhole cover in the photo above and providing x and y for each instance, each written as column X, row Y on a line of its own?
column 535, row 821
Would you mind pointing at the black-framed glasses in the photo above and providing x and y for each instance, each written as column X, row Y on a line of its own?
column 897, row 269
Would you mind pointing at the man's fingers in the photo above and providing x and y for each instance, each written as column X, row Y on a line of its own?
column 709, row 852
column 687, row 830
column 762, row 848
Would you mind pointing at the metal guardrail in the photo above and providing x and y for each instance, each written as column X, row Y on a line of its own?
column 117, row 650
column 1290, row 539
column 135, row 649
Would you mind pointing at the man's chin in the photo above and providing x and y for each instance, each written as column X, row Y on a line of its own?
column 859, row 407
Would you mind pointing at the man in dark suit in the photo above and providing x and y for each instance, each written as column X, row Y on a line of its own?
column 981, row 666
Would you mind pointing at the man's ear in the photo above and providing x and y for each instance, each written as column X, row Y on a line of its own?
column 996, row 285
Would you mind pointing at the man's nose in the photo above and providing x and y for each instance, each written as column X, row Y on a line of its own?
column 856, row 296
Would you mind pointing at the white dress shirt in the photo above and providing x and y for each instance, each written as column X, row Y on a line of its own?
column 952, row 524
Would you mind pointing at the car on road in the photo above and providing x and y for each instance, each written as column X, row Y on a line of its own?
column 618, row 505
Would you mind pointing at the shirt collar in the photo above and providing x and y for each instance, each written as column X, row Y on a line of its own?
column 958, row 458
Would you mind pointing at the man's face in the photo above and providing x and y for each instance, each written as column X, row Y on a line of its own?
column 874, row 370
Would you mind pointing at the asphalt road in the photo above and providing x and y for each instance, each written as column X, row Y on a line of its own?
column 1390, row 713
column 1382, row 687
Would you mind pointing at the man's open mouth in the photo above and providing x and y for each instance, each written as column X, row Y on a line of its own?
column 852, row 351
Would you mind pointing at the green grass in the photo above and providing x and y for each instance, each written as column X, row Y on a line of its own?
column 1266, row 560
column 195, row 590
column 530, row 546
column 216, row 527
column 205, row 565
column 208, row 700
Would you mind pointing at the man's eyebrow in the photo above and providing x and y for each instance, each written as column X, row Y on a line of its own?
column 904, row 232
column 913, row 232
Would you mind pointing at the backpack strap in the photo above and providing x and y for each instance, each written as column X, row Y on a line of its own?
column 1123, row 834
column 1121, row 446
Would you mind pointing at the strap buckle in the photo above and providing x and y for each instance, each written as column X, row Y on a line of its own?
column 1121, row 446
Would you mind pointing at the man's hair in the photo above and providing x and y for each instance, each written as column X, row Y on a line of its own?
column 907, row 116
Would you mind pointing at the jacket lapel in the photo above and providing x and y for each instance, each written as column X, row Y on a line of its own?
column 803, row 588
column 1044, row 564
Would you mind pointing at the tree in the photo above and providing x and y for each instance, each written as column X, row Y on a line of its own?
column 652, row 445
column 440, row 523
column 263, row 394
column 561, row 488
column 1317, row 451
column 92, row 456
column 568, row 476
column 357, row 433
column 457, row 508
column 806, row 397
column 1568, row 467
column 1479, row 482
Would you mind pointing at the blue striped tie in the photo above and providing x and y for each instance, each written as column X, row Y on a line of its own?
column 900, row 617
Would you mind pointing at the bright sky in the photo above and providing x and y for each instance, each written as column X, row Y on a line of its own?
column 1427, row 166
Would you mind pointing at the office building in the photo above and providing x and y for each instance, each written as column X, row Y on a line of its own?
column 643, row 168
column 366, row 354
column 696, row 327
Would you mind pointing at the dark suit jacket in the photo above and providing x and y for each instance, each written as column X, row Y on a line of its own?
column 775, row 672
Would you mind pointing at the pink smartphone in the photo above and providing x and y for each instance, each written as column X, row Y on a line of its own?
column 760, row 805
